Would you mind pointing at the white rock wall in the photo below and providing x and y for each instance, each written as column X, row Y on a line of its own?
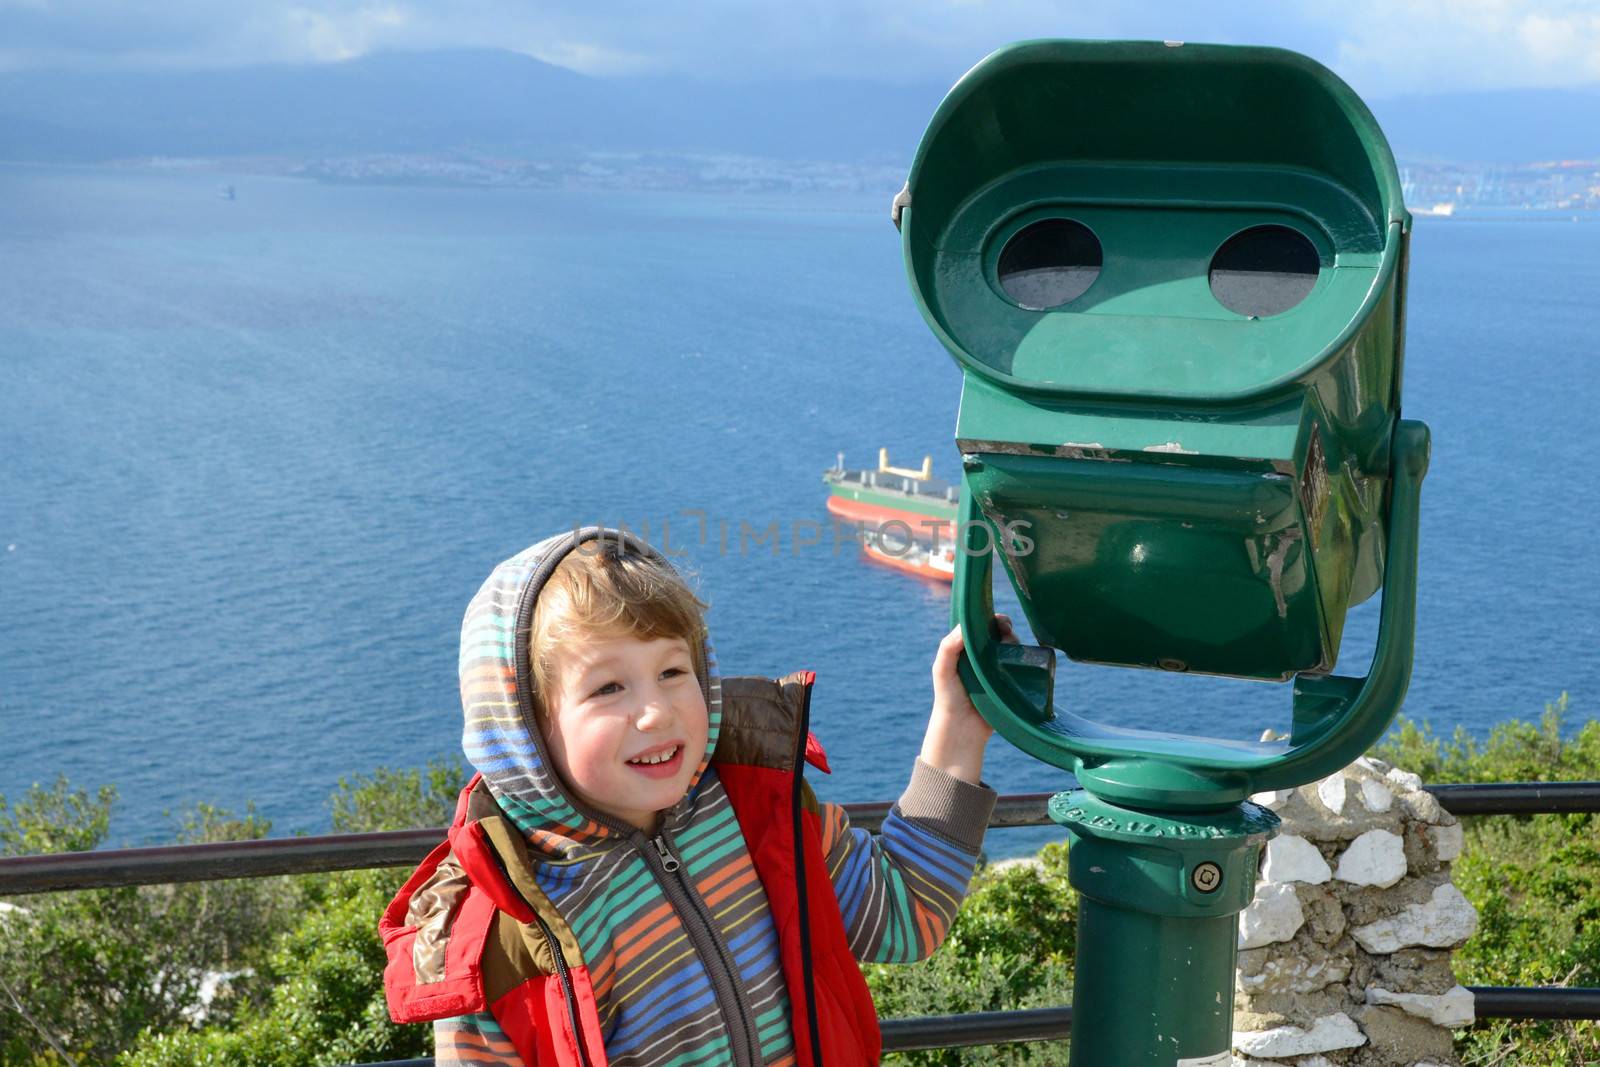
column 1344, row 954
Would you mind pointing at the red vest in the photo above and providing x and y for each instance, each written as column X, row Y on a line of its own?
column 441, row 969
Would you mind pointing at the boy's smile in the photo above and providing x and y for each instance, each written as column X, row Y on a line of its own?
column 626, row 724
column 659, row 762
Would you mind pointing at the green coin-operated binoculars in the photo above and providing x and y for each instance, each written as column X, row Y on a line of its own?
column 1173, row 276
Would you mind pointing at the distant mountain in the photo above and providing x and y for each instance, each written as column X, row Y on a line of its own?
column 502, row 102
column 477, row 100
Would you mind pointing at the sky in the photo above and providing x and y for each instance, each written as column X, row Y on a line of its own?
column 1382, row 47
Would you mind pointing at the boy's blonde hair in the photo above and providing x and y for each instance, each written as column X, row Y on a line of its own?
column 603, row 589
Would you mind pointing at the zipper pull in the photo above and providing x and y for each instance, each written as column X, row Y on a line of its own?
column 668, row 860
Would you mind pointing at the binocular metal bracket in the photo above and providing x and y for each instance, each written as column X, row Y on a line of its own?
column 1335, row 718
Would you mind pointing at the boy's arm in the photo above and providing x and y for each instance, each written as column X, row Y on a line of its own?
column 898, row 891
column 473, row 1041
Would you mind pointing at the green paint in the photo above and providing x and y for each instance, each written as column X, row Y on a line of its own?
column 1196, row 489
column 1155, row 953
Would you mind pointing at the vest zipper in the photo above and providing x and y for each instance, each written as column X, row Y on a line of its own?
column 660, row 856
column 569, row 993
column 798, row 815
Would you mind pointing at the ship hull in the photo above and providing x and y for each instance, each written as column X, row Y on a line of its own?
column 921, row 563
column 922, row 525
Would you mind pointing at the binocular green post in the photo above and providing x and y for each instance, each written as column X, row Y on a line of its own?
column 1173, row 276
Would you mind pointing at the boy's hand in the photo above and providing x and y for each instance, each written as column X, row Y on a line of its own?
column 957, row 734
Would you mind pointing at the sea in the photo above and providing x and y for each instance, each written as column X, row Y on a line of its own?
column 256, row 454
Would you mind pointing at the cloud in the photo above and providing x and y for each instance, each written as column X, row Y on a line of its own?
column 1401, row 46
column 346, row 34
column 1383, row 47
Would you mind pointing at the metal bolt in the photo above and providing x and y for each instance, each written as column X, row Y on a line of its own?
column 1172, row 664
column 1206, row 877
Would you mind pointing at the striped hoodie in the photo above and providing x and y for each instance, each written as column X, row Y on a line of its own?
column 684, row 968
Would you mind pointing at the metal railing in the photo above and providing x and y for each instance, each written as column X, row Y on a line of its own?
column 22, row 875
column 1055, row 1024
column 165, row 864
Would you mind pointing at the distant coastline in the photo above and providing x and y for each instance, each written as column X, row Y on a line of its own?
column 1431, row 189
column 630, row 171
column 1571, row 185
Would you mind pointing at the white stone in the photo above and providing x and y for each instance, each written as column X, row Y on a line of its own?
column 1327, row 1033
column 1377, row 857
column 1295, row 974
column 1375, row 796
column 1443, row 921
column 1373, row 764
column 1447, row 841
column 1453, row 1008
column 1244, row 1061
column 1216, row 1059
column 1274, row 915
column 1331, row 792
column 1314, row 1061
column 1294, row 859
column 1272, row 798
column 1404, row 779
column 1421, row 805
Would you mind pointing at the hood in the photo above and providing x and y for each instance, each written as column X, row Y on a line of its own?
column 501, row 736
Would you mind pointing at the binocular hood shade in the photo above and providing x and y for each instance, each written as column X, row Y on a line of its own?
column 1131, row 219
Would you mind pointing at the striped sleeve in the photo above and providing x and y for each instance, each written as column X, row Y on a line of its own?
column 473, row 1041
column 899, row 890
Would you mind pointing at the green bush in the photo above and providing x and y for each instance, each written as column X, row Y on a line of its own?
column 323, row 980
column 84, row 972
column 326, row 1003
column 238, row 972
column 404, row 799
column 1011, row 946
column 1515, row 751
column 1535, row 880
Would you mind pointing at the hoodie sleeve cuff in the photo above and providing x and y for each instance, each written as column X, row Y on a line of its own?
column 956, row 810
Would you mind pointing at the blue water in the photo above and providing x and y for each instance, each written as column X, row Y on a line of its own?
column 258, row 455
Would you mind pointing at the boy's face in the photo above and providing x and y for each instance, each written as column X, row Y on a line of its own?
column 626, row 724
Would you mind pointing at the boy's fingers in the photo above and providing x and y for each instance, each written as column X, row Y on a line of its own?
column 952, row 644
column 949, row 648
column 1000, row 627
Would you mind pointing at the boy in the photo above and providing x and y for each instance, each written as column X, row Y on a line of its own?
column 638, row 874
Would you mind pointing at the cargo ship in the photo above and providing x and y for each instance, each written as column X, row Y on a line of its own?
column 912, row 514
